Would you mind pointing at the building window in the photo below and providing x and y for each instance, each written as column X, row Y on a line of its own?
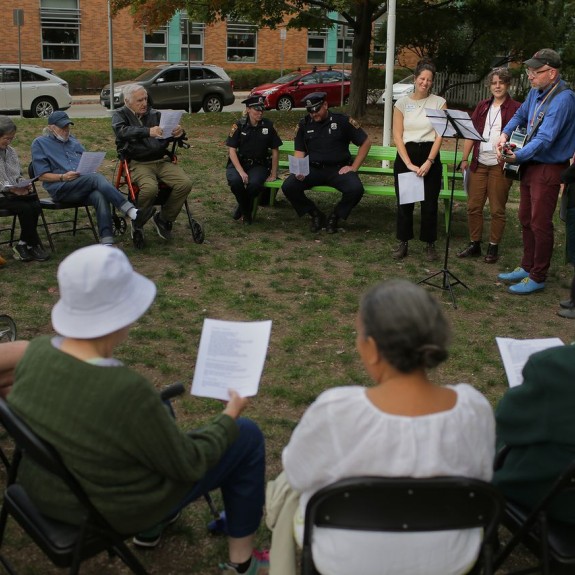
column 156, row 45
column 344, row 44
column 316, row 46
column 195, row 42
column 60, row 21
column 379, row 42
column 242, row 42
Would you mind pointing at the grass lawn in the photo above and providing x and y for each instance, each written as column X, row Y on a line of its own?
column 308, row 284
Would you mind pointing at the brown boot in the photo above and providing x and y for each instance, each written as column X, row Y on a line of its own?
column 400, row 251
column 491, row 256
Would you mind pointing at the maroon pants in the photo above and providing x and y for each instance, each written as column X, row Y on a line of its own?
column 539, row 191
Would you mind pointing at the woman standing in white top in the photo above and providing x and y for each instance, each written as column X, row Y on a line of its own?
column 403, row 426
column 418, row 147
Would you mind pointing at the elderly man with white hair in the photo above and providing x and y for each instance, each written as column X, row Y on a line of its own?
column 140, row 139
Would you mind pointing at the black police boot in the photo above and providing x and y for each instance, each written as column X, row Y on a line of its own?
column 331, row 226
column 317, row 220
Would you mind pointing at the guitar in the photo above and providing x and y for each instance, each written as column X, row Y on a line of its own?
column 516, row 142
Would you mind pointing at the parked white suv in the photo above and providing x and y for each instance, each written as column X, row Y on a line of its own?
column 42, row 91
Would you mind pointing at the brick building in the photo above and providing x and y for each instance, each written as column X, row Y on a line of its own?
column 73, row 35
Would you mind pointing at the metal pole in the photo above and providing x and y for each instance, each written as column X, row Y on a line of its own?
column 18, row 16
column 111, row 56
column 342, row 63
column 389, row 66
column 283, row 34
column 189, row 68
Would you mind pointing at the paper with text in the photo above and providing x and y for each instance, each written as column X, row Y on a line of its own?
column 445, row 121
column 411, row 188
column 516, row 352
column 299, row 166
column 169, row 120
column 90, row 162
column 231, row 356
column 20, row 184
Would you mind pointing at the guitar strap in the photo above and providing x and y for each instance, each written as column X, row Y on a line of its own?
column 541, row 113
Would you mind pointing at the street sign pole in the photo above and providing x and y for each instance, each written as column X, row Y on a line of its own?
column 18, row 15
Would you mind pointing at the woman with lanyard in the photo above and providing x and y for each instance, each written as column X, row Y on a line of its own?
column 486, row 180
column 418, row 147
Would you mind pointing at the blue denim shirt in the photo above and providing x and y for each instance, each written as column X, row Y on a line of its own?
column 51, row 156
column 554, row 142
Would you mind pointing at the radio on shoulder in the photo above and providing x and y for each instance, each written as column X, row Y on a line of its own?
column 516, row 142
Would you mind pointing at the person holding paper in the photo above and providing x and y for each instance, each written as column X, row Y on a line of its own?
column 404, row 425
column 111, row 428
column 325, row 137
column 141, row 140
column 55, row 158
column 250, row 142
column 536, row 428
column 548, row 117
column 21, row 201
column 418, row 146
column 486, row 180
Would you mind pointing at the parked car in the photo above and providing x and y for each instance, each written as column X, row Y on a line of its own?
column 210, row 88
column 288, row 91
column 42, row 91
column 402, row 88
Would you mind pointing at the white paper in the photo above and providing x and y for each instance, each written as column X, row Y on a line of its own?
column 466, row 173
column 516, row 352
column 21, row 184
column 442, row 122
column 90, row 162
column 169, row 120
column 299, row 166
column 411, row 188
column 231, row 356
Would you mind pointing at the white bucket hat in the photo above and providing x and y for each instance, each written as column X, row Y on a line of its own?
column 99, row 293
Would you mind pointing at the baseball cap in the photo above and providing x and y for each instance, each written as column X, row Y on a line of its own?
column 542, row 57
column 60, row 119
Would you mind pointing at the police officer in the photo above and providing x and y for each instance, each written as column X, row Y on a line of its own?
column 325, row 136
column 249, row 143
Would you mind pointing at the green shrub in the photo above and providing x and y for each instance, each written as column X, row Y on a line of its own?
column 88, row 81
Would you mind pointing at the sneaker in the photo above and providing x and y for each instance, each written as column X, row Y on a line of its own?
column 317, row 221
column 22, row 253
column 567, row 304
column 143, row 216
column 260, row 565
column 163, row 228
column 516, row 275
column 197, row 231
column 331, row 226
column 38, row 253
column 150, row 538
column 526, row 286
column 567, row 313
column 472, row 250
column 431, row 252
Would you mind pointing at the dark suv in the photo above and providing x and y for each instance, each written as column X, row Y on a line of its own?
column 210, row 88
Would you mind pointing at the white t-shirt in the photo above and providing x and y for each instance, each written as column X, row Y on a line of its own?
column 342, row 434
column 491, row 132
column 416, row 124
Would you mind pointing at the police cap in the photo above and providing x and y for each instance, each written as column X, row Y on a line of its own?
column 313, row 101
column 256, row 102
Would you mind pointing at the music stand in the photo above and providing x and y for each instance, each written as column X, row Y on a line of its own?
column 450, row 124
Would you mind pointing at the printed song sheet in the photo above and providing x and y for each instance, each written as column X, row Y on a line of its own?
column 169, row 119
column 20, row 184
column 299, row 166
column 231, row 356
column 516, row 352
column 90, row 162
column 411, row 188
column 443, row 120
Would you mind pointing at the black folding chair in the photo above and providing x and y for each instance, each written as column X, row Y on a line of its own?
column 65, row 545
column 551, row 540
column 404, row 505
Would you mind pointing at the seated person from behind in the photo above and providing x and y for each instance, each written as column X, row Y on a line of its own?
column 249, row 143
column 142, row 142
column 111, row 428
column 325, row 136
column 20, row 201
column 535, row 423
column 55, row 157
column 403, row 426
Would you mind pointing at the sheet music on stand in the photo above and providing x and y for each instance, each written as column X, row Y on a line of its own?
column 440, row 120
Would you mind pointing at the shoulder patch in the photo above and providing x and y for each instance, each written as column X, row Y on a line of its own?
column 354, row 123
column 233, row 130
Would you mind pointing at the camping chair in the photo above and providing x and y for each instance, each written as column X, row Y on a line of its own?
column 549, row 539
column 404, row 505
column 7, row 213
column 123, row 178
column 65, row 545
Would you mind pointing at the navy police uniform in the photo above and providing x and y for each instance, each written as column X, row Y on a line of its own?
column 253, row 145
column 327, row 145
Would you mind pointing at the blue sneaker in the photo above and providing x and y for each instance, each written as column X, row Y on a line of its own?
column 526, row 286
column 516, row 275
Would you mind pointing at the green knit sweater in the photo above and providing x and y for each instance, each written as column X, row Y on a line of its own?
column 114, row 434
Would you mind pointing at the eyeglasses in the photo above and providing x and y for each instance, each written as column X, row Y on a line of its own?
column 537, row 72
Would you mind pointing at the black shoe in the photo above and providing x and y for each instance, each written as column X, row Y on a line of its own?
column 400, row 251
column 163, row 228
column 22, row 253
column 431, row 252
column 472, row 250
column 143, row 216
column 331, row 226
column 237, row 213
column 150, row 539
column 38, row 253
column 317, row 221
column 197, row 231
column 137, row 236
column 567, row 304
column 491, row 256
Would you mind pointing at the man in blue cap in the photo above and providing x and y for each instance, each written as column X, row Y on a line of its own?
column 55, row 158
column 325, row 136
column 253, row 156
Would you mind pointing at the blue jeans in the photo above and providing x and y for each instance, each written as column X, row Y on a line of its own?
column 240, row 475
column 100, row 193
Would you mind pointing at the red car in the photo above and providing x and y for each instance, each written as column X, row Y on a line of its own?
column 288, row 91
